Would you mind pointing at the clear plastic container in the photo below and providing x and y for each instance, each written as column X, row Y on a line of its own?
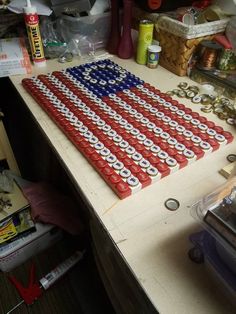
column 223, row 276
column 216, row 212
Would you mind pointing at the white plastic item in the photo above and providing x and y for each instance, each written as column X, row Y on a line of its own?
column 34, row 36
column 20, row 250
column 154, row 48
column 48, row 280
column 100, row 6
column 227, row 6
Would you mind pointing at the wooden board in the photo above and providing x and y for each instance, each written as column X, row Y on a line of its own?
column 228, row 170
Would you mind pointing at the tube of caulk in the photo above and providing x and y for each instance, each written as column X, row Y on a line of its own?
column 35, row 40
column 60, row 270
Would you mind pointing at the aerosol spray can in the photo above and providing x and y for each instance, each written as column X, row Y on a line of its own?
column 144, row 40
column 34, row 36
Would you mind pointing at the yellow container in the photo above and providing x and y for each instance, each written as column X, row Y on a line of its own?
column 144, row 40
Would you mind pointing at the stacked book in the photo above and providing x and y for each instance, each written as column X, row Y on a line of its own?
column 15, row 215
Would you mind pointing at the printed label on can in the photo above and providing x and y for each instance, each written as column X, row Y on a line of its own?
column 152, row 59
column 153, row 53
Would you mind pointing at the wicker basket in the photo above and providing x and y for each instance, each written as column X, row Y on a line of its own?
column 178, row 41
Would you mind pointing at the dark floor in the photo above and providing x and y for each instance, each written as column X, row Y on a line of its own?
column 80, row 291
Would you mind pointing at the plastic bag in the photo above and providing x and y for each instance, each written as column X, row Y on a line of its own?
column 54, row 45
column 84, row 35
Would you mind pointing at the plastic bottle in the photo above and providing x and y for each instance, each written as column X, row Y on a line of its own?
column 34, row 36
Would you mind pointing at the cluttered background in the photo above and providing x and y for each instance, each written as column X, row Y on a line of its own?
column 194, row 38
column 189, row 38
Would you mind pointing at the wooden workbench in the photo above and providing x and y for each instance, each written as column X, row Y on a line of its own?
column 152, row 240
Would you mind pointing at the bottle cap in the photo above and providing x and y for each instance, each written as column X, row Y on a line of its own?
column 154, row 48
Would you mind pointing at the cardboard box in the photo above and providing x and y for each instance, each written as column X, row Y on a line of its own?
column 18, row 251
column 14, row 57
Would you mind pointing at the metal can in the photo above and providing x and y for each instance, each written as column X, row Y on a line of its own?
column 144, row 40
column 153, row 56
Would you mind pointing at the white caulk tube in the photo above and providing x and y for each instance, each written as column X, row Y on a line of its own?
column 60, row 270
column 34, row 36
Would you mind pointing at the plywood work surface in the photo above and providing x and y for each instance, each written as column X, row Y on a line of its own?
column 152, row 240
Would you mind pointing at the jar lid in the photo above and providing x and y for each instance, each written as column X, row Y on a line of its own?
column 154, row 48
